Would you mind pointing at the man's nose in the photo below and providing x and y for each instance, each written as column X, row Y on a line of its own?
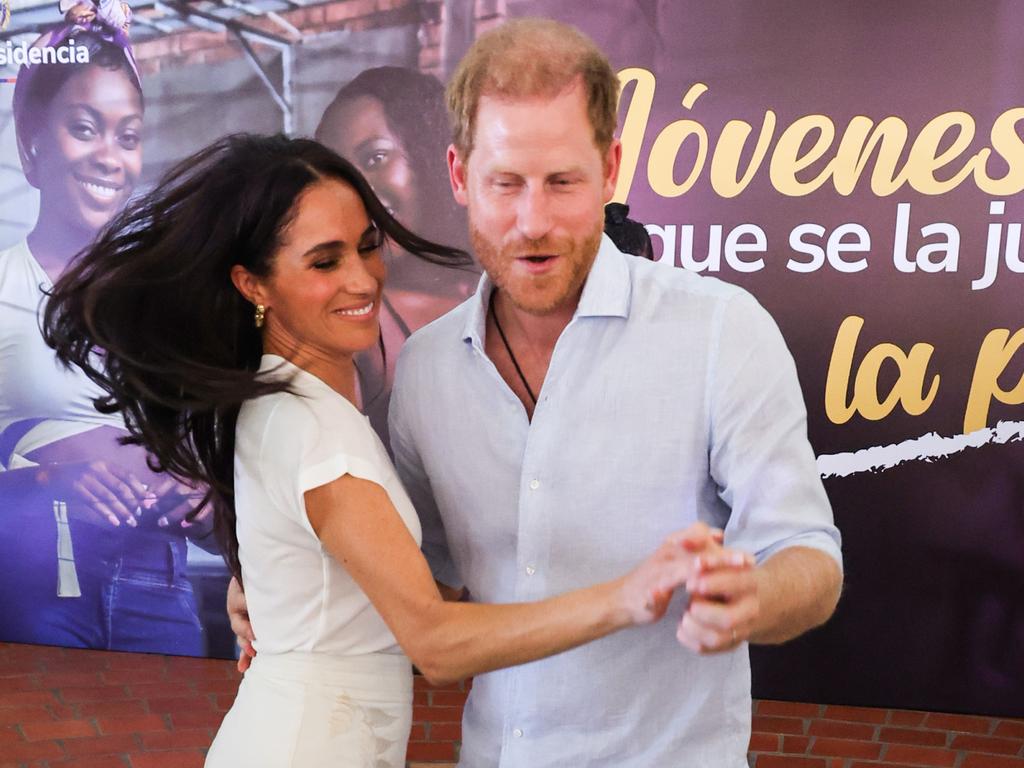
column 534, row 214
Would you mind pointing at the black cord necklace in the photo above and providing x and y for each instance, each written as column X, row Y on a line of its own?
column 508, row 349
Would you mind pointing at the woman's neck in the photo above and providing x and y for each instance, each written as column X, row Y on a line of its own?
column 337, row 371
column 53, row 243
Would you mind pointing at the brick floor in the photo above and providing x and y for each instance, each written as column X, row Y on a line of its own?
column 62, row 708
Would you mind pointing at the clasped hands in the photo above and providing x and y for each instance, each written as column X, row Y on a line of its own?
column 105, row 493
column 721, row 582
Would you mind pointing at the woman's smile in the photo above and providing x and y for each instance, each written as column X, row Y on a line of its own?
column 363, row 312
column 104, row 192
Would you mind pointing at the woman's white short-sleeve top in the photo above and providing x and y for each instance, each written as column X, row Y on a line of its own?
column 299, row 597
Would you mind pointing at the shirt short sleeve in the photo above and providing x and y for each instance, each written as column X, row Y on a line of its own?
column 334, row 466
column 298, row 453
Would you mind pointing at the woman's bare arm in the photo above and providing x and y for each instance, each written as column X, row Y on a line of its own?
column 360, row 527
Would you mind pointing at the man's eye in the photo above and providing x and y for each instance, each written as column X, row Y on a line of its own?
column 324, row 264
column 376, row 158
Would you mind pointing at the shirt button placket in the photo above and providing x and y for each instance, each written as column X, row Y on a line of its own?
column 529, row 568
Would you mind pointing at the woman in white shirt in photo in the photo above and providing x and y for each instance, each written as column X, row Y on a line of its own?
column 100, row 555
column 227, row 305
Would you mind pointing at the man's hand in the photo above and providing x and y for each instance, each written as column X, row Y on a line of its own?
column 791, row 592
column 238, row 612
column 724, row 603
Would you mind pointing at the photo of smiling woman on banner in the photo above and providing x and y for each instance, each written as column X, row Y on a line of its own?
column 94, row 549
column 391, row 122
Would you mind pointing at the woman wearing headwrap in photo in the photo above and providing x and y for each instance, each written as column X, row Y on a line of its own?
column 94, row 546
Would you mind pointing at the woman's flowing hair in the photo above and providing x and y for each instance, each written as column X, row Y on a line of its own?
column 151, row 315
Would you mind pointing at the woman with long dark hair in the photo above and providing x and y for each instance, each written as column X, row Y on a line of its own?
column 99, row 559
column 221, row 314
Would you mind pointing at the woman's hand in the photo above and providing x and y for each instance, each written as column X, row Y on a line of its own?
column 171, row 502
column 80, row 13
column 646, row 591
column 103, row 482
column 238, row 612
column 97, row 492
column 109, row 494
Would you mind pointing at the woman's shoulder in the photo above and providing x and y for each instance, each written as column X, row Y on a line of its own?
column 290, row 425
column 15, row 263
column 279, row 423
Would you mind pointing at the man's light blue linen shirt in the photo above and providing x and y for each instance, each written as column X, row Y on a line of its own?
column 670, row 398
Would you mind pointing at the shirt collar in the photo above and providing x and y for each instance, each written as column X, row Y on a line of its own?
column 606, row 293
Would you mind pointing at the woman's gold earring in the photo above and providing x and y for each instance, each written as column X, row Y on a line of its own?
column 261, row 313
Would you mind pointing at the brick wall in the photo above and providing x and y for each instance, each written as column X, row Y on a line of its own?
column 63, row 708
column 437, row 721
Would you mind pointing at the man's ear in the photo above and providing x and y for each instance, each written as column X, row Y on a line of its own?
column 457, row 170
column 29, row 165
column 249, row 285
column 612, row 162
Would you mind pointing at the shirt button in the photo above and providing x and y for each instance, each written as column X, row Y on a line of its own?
column 530, row 570
column 517, row 733
column 534, row 485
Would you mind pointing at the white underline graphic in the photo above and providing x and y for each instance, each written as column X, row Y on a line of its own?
column 925, row 448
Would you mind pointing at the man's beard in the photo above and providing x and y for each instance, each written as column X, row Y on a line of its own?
column 546, row 293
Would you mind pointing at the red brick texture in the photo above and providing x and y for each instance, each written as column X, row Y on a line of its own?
column 818, row 736
column 63, row 708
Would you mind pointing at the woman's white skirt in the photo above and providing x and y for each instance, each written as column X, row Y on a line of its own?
column 309, row 710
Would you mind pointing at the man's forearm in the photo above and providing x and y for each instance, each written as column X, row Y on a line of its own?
column 798, row 589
